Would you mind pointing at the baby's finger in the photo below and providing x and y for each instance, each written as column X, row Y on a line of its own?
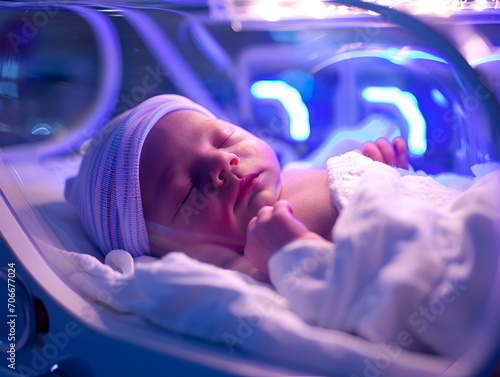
column 264, row 209
column 264, row 214
column 401, row 152
column 283, row 213
column 387, row 151
column 251, row 225
column 370, row 150
column 283, row 204
column 284, row 220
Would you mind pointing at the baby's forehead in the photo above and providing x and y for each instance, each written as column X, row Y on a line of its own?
column 186, row 127
column 186, row 123
column 179, row 132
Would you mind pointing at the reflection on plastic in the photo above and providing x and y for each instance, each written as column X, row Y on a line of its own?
column 407, row 104
column 292, row 103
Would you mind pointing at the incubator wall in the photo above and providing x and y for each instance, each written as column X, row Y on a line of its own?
column 313, row 85
column 299, row 84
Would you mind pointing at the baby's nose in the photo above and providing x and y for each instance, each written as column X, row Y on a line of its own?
column 222, row 164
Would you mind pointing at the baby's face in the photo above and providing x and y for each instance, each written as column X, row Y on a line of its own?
column 204, row 179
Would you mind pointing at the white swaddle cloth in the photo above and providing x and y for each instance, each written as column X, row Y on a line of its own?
column 106, row 192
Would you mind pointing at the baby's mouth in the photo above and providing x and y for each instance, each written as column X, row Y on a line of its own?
column 247, row 183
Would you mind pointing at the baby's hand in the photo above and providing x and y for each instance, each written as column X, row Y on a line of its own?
column 382, row 151
column 271, row 229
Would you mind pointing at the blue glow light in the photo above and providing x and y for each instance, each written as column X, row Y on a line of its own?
column 41, row 129
column 291, row 100
column 392, row 55
column 407, row 104
column 486, row 59
column 439, row 98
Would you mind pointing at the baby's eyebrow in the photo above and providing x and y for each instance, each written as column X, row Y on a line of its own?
column 222, row 124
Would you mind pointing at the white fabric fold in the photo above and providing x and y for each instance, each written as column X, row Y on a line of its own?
column 413, row 261
column 193, row 298
column 345, row 173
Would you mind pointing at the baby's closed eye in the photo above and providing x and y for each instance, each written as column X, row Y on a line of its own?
column 224, row 139
column 186, row 197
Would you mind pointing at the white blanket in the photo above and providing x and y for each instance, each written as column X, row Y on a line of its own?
column 412, row 262
column 349, row 289
column 193, row 298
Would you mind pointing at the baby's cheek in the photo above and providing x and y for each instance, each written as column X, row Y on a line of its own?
column 254, row 147
column 260, row 199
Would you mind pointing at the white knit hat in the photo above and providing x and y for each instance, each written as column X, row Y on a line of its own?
column 106, row 192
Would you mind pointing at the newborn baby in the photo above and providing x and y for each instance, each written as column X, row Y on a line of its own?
column 167, row 175
column 412, row 262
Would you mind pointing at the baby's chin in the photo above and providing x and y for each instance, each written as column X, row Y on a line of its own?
column 261, row 199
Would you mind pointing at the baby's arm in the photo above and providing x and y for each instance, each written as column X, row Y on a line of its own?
column 274, row 227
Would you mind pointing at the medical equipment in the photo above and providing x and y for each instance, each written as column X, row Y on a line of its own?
column 299, row 82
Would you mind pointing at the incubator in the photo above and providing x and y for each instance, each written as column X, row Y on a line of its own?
column 312, row 78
